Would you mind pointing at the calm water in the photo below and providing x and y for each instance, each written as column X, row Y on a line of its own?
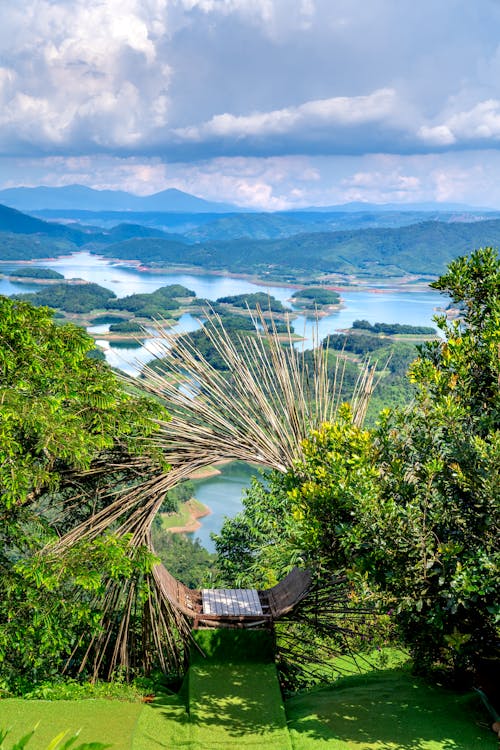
column 130, row 357
column 223, row 493
column 123, row 280
column 7, row 288
column 414, row 308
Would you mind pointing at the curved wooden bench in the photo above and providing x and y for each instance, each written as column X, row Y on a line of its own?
column 257, row 608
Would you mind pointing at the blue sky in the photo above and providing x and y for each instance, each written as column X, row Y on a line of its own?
column 265, row 103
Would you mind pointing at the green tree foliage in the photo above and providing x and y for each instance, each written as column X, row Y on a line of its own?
column 154, row 304
column 74, row 298
column 391, row 329
column 126, row 326
column 410, row 509
column 300, row 517
column 253, row 547
column 36, row 273
column 185, row 558
column 179, row 494
column 251, row 301
column 431, row 543
column 423, row 248
column 313, row 297
column 61, row 414
column 436, row 546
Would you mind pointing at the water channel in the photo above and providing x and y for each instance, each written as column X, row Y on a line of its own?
column 223, row 493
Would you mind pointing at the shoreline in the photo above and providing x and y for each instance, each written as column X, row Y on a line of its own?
column 195, row 513
column 354, row 284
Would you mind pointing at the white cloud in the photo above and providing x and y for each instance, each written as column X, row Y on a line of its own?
column 480, row 123
column 280, row 182
column 338, row 111
column 194, row 80
column 437, row 135
column 389, row 180
column 83, row 72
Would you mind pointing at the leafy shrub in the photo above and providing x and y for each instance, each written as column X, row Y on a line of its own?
column 58, row 743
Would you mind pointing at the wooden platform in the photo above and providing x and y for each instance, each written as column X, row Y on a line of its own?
column 231, row 602
column 239, row 608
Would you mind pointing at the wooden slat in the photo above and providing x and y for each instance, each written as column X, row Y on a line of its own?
column 234, row 605
column 231, row 602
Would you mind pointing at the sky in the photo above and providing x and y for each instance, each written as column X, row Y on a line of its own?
column 269, row 104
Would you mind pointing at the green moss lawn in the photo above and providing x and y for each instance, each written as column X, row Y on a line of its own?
column 238, row 705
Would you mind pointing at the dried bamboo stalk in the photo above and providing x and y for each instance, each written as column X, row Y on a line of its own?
column 260, row 411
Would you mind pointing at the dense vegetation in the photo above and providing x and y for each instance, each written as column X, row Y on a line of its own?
column 253, row 301
column 126, row 326
column 409, row 511
column 300, row 246
column 73, row 298
column 406, row 510
column 313, row 297
column 392, row 329
column 423, row 249
column 62, row 414
column 31, row 272
column 155, row 304
column 185, row 558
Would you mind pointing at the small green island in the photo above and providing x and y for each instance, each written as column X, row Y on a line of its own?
column 316, row 298
column 35, row 274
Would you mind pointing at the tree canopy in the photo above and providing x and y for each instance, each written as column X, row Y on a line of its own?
column 409, row 510
column 62, row 413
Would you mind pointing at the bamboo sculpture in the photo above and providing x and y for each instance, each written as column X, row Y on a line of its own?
column 259, row 410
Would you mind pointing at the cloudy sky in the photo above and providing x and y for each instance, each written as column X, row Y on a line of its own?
column 265, row 103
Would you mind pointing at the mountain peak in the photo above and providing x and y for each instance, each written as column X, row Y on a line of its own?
column 88, row 199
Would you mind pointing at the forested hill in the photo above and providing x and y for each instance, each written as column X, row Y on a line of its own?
column 423, row 248
column 16, row 222
column 24, row 237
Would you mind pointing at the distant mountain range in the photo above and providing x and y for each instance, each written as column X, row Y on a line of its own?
column 79, row 197
column 423, row 248
column 21, row 234
column 88, row 199
column 432, row 206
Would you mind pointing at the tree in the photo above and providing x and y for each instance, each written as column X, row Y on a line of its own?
column 62, row 413
column 433, row 542
column 410, row 509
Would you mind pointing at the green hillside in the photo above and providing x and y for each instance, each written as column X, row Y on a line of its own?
column 422, row 249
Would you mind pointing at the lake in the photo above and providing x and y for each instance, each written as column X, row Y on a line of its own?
column 413, row 308
column 223, row 493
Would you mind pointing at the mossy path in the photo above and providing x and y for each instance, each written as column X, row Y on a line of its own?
column 234, row 695
column 231, row 699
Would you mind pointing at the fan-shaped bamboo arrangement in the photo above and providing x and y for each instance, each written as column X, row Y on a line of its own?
column 258, row 409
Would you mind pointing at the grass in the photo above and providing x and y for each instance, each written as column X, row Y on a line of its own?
column 235, row 702
column 105, row 721
column 233, row 691
column 387, row 710
column 238, row 706
column 186, row 515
